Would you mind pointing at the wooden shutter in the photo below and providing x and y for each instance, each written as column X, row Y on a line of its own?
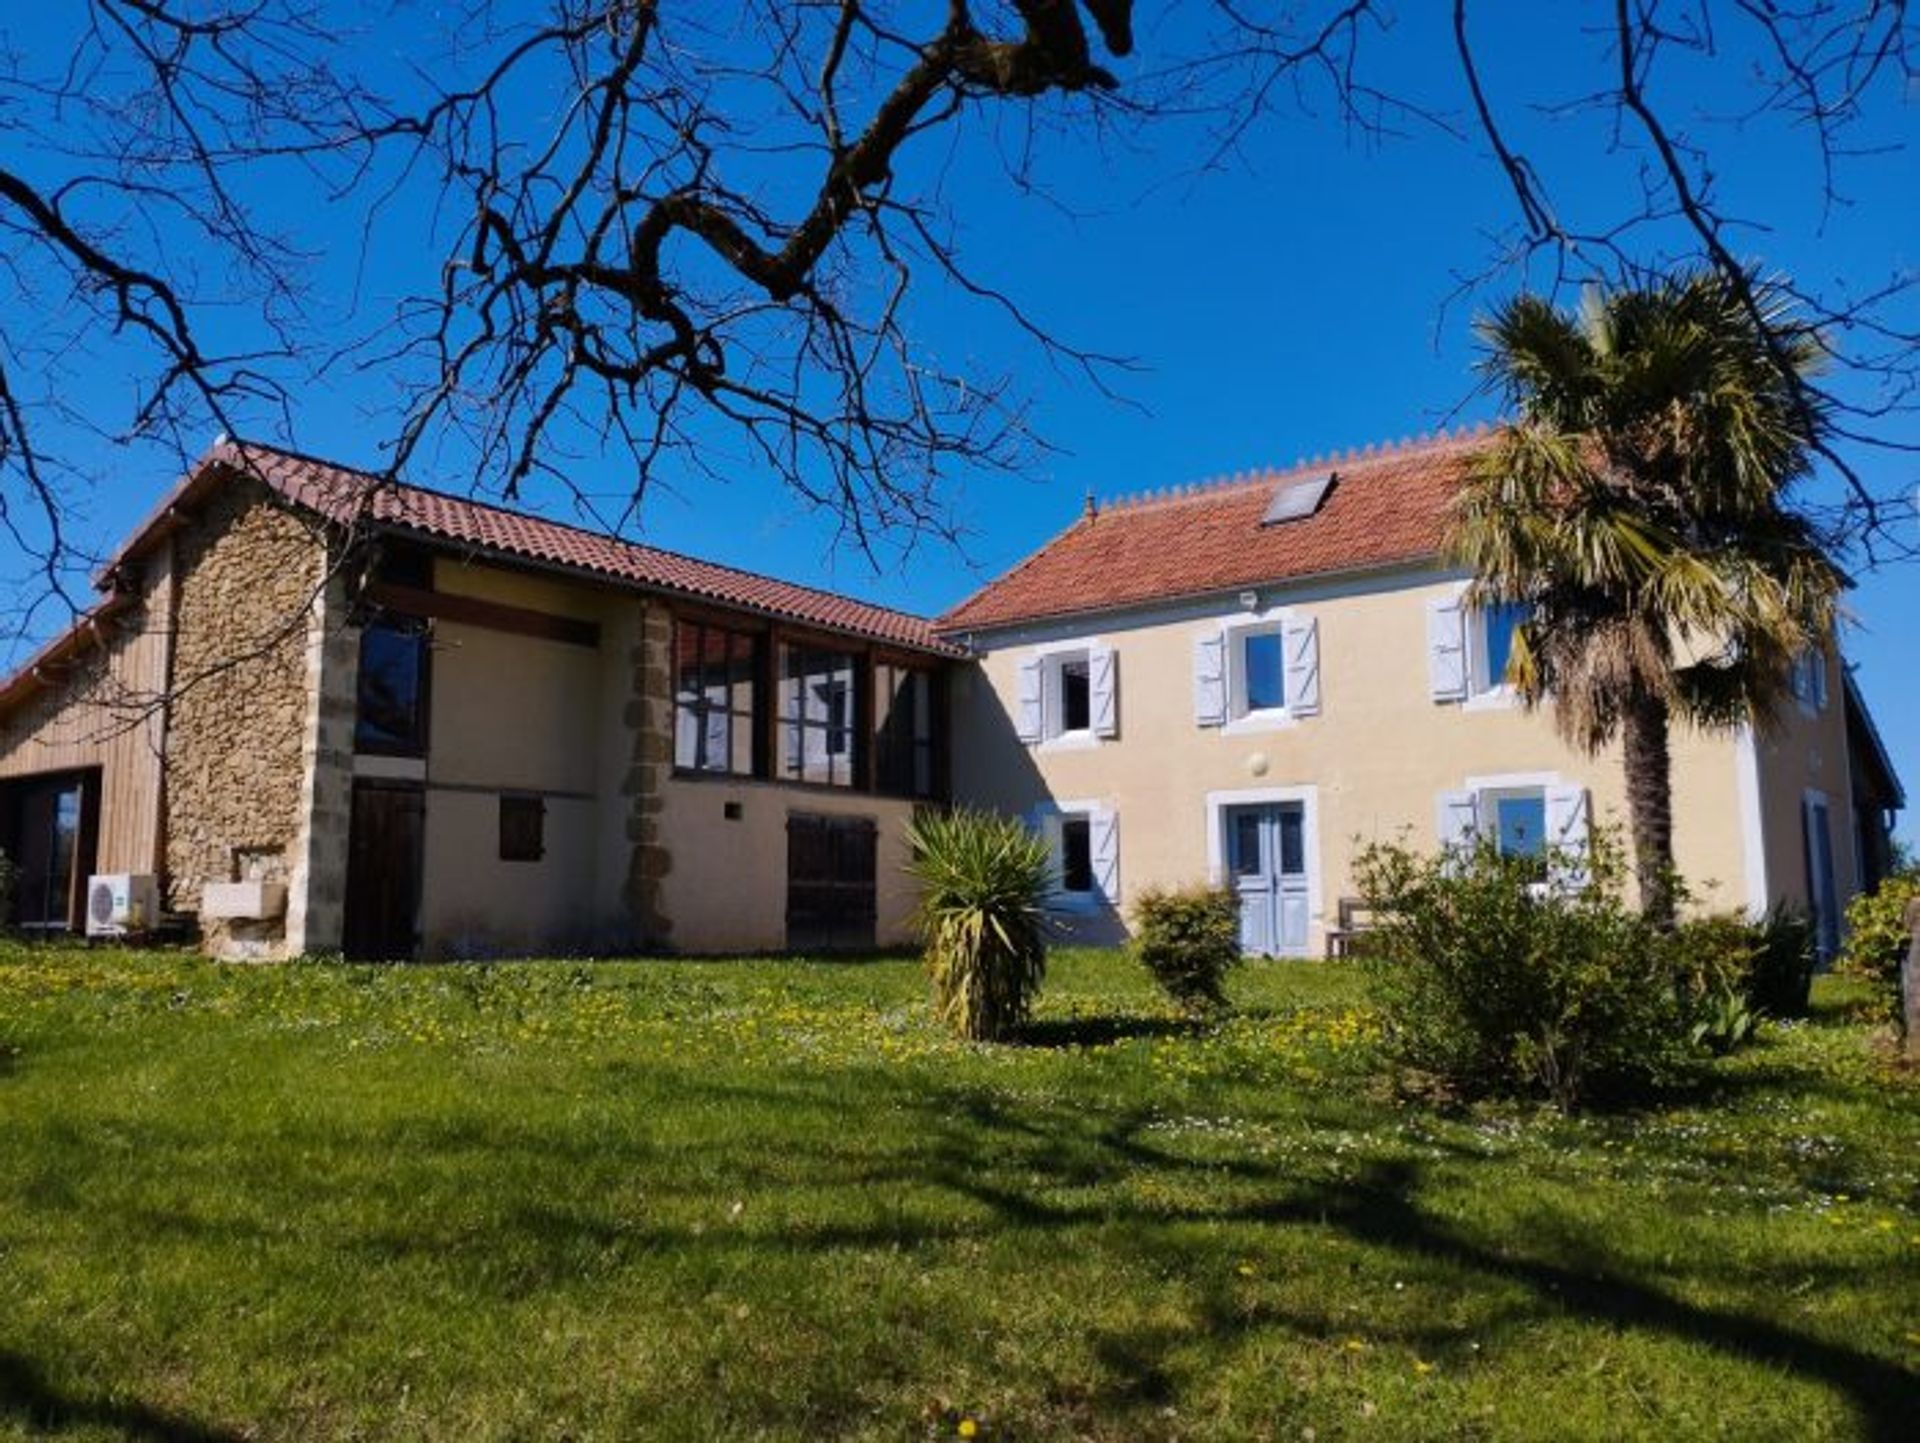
column 1104, row 826
column 1210, row 679
column 1103, row 684
column 1568, row 827
column 1028, row 715
column 1447, row 648
column 1459, row 819
column 1301, row 639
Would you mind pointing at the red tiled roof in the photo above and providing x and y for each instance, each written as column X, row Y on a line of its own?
column 344, row 495
column 1385, row 508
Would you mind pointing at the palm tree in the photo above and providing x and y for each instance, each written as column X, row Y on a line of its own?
column 1638, row 506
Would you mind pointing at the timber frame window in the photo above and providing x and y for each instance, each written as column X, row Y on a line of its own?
column 760, row 700
column 390, row 718
column 717, row 689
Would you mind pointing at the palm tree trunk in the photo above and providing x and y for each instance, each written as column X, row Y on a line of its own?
column 1650, row 805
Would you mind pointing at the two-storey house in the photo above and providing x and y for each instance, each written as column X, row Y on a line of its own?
column 1248, row 680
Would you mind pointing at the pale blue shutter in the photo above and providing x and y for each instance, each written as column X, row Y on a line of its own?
column 1104, row 833
column 1458, row 819
column 1447, row 648
column 1210, row 679
column 1568, row 828
column 1301, row 640
column 1103, row 686
column 1027, row 703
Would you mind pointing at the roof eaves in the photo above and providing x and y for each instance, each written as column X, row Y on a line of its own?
column 1857, row 702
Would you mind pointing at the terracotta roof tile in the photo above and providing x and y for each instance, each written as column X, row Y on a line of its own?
column 1385, row 507
column 339, row 492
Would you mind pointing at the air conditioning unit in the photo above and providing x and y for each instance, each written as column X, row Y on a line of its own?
column 119, row 903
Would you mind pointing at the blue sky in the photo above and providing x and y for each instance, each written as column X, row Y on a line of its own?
column 1291, row 302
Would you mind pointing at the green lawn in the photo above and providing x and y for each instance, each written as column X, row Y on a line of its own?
column 766, row 1199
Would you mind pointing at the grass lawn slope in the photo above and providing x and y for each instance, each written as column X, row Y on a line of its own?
column 761, row 1199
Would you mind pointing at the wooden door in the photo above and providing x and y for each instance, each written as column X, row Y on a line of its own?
column 831, row 875
column 1266, row 854
column 383, row 871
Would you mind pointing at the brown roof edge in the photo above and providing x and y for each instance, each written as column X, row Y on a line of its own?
column 85, row 631
column 1857, row 706
column 231, row 457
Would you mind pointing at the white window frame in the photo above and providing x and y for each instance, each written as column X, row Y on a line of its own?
column 1052, row 657
column 1483, row 693
column 1050, row 820
column 1233, row 633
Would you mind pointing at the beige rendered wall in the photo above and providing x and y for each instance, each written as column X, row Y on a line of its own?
column 637, row 859
column 1377, row 756
column 511, row 714
column 1802, row 750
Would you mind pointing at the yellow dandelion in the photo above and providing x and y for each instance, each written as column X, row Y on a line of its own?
column 968, row 1428
column 1422, row 1366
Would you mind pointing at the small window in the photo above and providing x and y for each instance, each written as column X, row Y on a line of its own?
column 1494, row 629
column 1076, row 855
column 523, row 829
column 1076, row 695
column 1263, row 672
column 1517, row 821
column 391, row 714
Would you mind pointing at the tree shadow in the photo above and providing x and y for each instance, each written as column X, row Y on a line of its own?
column 1063, row 1032
column 27, row 1397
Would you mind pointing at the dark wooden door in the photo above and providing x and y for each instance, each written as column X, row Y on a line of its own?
column 830, row 882
column 383, row 871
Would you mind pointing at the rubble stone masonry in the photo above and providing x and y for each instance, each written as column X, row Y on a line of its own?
column 243, row 677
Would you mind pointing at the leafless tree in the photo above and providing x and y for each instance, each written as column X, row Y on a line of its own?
column 673, row 231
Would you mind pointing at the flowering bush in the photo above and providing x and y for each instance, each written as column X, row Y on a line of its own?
column 1189, row 939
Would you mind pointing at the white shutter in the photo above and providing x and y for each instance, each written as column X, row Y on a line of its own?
column 1458, row 819
column 1104, row 827
column 1447, row 648
column 1103, row 685
column 1301, row 639
column 1027, row 711
column 1210, row 679
column 1568, row 826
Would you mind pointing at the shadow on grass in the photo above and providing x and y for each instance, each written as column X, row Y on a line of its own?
column 29, row 1399
column 1102, row 1031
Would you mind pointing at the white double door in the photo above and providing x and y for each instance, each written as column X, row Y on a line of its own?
column 1267, row 862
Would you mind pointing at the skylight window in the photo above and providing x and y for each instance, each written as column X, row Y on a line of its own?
column 1294, row 500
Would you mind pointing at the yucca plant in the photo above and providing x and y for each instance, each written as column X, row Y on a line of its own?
column 983, row 887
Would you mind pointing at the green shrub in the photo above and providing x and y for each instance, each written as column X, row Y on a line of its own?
column 1189, row 939
column 983, row 881
column 1499, row 985
column 1766, row 966
column 1877, row 937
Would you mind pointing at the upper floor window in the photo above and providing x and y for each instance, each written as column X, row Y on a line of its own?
column 1807, row 679
column 1259, row 670
column 1469, row 650
column 1070, row 693
column 716, row 698
column 1493, row 630
column 391, row 706
column 818, row 702
column 905, row 722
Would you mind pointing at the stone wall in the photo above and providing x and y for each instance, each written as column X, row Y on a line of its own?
column 248, row 572
column 649, row 722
